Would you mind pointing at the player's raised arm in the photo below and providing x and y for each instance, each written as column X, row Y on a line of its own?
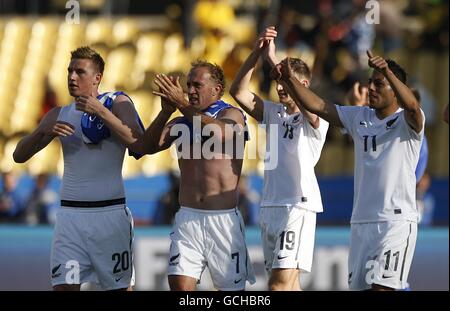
column 249, row 101
column 308, row 98
column 48, row 129
column 405, row 97
column 157, row 136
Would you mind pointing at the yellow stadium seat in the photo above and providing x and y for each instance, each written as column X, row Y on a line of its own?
column 2, row 146
column 118, row 69
column 125, row 30
column 175, row 57
column 93, row 4
column 242, row 30
column 212, row 15
column 21, row 124
column 71, row 33
column 4, row 124
column 143, row 102
column 7, row 162
column 218, row 48
column 45, row 28
column 150, row 48
column 17, row 29
column 198, row 47
column 99, row 30
column 2, row 27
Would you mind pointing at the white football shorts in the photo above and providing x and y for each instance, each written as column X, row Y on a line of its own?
column 213, row 238
column 381, row 253
column 287, row 235
column 93, row 244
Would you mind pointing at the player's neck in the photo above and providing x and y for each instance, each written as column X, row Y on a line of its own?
column 95, row 93
column 385, row 112
column 291, row 108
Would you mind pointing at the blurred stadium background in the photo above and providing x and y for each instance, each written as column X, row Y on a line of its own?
column 138, row 39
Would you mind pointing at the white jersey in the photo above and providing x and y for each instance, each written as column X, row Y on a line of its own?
column 386, row 156
column 297, row 146
column 91, row 172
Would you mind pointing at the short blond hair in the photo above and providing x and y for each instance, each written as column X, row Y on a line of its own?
column 86, row 52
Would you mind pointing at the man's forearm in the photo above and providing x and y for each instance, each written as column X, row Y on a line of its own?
column 29, row 145
column 123, row 132
column 406, row 98
column 127, row 135
column 150, row 141
column 244, row 75
column 309, row 100
column 272, row 60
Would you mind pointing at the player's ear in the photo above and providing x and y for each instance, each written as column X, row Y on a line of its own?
column 217, row 89
column 98, row 78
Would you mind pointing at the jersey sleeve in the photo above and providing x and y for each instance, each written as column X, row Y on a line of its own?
column 317, row 136
column 318, row 133
column 347, row 116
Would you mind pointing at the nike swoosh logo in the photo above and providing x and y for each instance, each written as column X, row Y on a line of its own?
column 281, row 257
column 237, row 281
column 56, row 269
column 118, row 279
column 174, row 257
column 387, row 277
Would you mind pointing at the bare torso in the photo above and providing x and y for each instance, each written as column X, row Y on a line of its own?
column 209, row 184
column 210, row 168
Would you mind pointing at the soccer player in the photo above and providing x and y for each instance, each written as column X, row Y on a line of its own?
column 94, row 228
column 387, row 137
column 208, row 229
column 291, row 195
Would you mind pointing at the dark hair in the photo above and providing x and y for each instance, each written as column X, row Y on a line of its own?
column 301, row 68
column 215, row 70
column 398, row 71
column 86, row 52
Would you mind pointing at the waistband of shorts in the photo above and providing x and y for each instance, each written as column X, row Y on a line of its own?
column 109, row 209
column 90, row 204
column 283, row 206
column 208, row 211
